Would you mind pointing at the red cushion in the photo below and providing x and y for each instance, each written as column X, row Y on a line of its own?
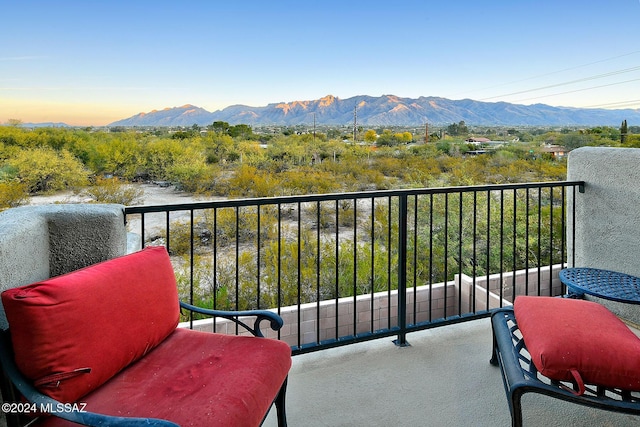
column 73, row 332
column 579, row 340
column 198, row 379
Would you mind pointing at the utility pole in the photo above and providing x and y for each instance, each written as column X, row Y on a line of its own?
column 426, row 133
column 355, row 124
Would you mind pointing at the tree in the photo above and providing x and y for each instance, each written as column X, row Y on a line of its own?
column 623, row 132
column 181, row 134
column 406, row 137
column 575, row 140
column 220, row 127
column 370, row 136
column 241, row 130
column 119, row 156
column 457, row 129
column 44, row 169
column 13, row 136
column 388, row 139
column 14, row 123
column 160, row 156
column 633, row 141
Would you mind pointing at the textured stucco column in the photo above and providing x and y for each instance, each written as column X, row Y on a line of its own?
column 607, row 229
column 81, row 235
column 24, row 248
column 38, row 242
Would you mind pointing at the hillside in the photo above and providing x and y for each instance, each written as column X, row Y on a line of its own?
column 386, row 110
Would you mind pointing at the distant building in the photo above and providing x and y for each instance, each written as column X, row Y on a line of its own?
column 474, row 140
column 556, row 151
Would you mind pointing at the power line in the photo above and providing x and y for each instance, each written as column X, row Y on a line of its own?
column 599, row 76
column 578, row 90
column 559, row 71
column 616, row 104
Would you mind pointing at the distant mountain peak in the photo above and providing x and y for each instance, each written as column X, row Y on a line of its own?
column 400, row 107
column 326, row 101
column 385, row 110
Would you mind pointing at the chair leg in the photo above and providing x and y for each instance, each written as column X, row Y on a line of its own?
column 494, row 350
column 280, row 404
column 516, row 408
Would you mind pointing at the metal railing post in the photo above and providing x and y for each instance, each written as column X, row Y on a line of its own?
column 401, row 341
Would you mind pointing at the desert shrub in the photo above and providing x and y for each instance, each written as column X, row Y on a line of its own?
column 192, row 177
column 12, row 194
column 321, row 214
column 308, row 180
column 112, row 190
column 180, row 238
column 44, row 169
column 206, row 292
column 247, row 181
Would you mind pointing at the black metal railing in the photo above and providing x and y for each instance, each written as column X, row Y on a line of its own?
column 348, row 267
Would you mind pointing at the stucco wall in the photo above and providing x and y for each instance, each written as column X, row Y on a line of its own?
column 607, row 229
column 37, row 242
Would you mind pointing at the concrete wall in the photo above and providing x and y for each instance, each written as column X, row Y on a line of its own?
column 607, row 230
column 38, row 242
column 535, row 281
column 383, row 312
column 301, row 327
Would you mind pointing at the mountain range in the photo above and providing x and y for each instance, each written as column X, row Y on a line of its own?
column 386, row 110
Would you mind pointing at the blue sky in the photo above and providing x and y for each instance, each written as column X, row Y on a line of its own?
column 93, row 62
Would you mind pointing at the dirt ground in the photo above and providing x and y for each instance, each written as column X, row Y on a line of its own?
column 153, row 195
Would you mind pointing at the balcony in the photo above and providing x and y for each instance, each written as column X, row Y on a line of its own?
column 386, row 294
column 443, row 379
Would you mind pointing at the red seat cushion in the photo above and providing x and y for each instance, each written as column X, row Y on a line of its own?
column 579, row 340
column 72, row 333
column 198, row 379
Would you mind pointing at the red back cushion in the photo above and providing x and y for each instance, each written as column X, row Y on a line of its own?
column 579, row 340
column 73, row 332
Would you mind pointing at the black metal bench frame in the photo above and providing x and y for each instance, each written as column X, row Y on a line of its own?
column 520, row 375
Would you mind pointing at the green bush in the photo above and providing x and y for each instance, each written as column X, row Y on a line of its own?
column 12, row 194
column 44, row 170
column 112, row 190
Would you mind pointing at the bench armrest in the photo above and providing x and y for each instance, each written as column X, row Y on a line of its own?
column 69, row 412
column 275, row 321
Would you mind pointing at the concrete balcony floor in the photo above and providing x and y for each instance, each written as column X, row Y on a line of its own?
column 443, row 379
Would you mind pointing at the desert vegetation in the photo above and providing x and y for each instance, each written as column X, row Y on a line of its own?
column 255, row 263
column 235, row 161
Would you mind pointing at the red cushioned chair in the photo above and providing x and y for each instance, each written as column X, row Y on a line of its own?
column 100, row 347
